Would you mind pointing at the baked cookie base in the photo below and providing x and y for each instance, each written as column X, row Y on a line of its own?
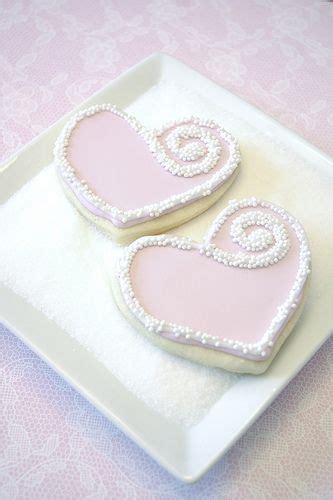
column 155, row 226
column 202, row 355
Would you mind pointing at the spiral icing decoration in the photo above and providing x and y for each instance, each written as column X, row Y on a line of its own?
column 185, row 148
column 193, row 147
column 263, row 238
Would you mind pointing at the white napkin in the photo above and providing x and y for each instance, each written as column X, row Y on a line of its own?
column 61, row 264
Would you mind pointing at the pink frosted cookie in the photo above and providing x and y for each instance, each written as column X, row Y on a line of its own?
column 133, row 181
column 229, row 301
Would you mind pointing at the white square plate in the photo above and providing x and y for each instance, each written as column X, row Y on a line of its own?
column 185, row 452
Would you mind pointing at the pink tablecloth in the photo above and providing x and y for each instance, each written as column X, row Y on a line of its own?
column 275, row 54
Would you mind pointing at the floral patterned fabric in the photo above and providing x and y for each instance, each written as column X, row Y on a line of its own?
column 277, row 55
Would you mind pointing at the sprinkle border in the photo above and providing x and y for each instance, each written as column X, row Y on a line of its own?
column 123, row 217
column 260, row 350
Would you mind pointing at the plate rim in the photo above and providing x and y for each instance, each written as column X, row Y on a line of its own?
column 186, row 469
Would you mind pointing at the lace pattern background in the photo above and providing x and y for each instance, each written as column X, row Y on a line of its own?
column 277, row 55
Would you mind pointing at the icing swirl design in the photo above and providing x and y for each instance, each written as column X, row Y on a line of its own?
column 265, row 245
column 183, row 148
column 195, row 147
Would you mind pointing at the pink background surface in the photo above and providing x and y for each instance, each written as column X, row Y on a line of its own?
column 275, row 54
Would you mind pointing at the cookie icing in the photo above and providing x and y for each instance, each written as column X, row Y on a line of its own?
column 128, row 174
column 235, row 291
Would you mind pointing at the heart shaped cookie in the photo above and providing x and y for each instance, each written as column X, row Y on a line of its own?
column 133, row 181
column 229, row 301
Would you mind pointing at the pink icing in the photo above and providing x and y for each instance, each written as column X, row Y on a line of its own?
column 116, row 163
column 190, row 289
